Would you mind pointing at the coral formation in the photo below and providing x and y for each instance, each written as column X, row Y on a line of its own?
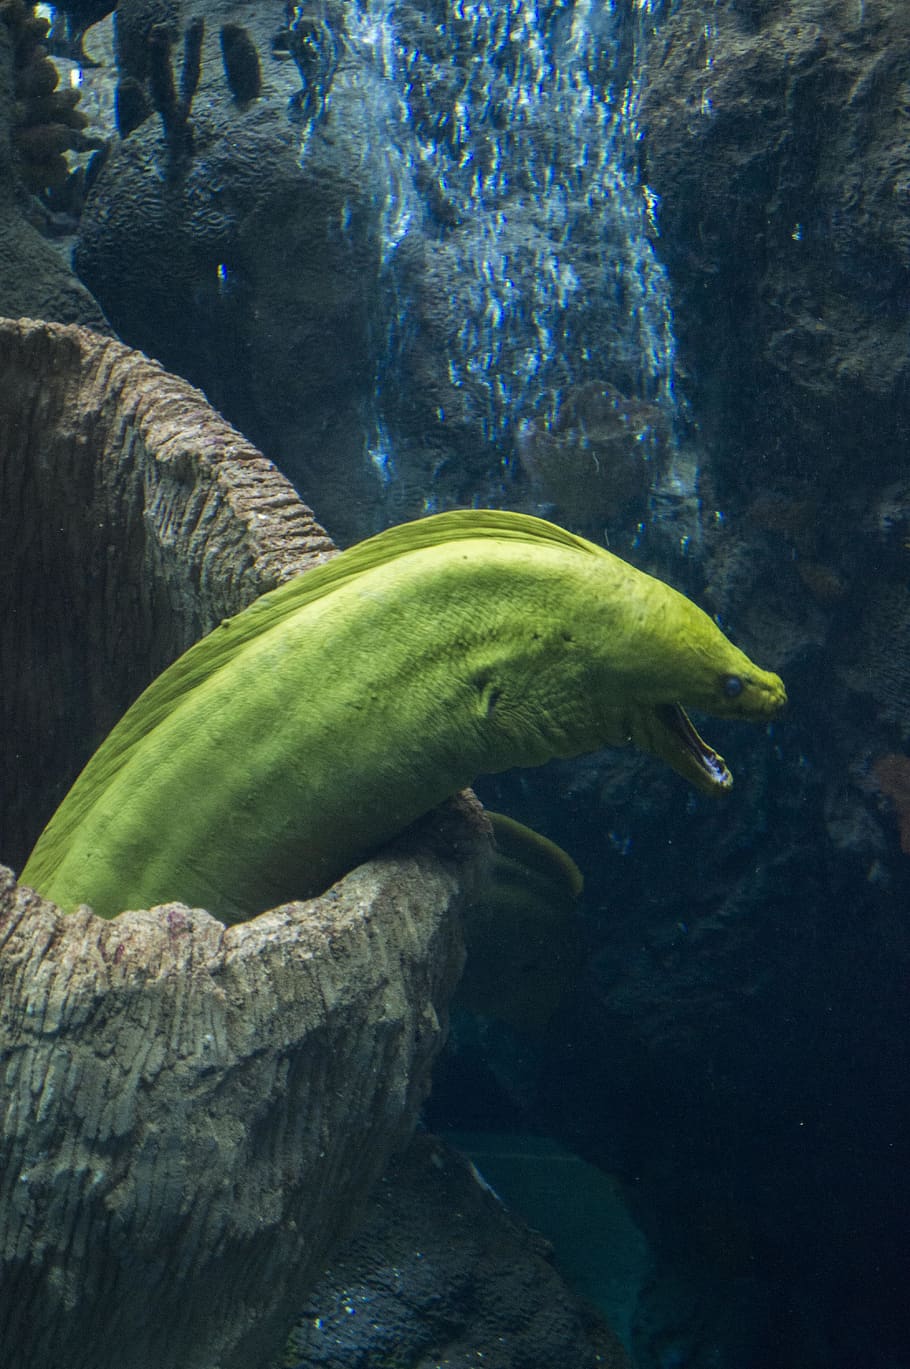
column 241, row 62
column 174, row 108
column 47, row 121
column 133, row 23
column 132, row 105
column 227, row 1100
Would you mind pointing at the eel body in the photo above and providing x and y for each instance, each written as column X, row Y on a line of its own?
column 300, row 735
column 523, row 933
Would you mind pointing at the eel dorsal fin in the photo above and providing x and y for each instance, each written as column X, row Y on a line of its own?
column 221, row 645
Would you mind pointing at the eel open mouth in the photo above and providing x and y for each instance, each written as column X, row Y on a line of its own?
column 678, row 743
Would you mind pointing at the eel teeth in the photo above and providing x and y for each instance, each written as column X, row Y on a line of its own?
column 714, row 767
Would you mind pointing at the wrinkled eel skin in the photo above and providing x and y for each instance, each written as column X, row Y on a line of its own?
column 300, row 735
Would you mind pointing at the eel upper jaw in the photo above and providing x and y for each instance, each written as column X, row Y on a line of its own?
column 667, row 732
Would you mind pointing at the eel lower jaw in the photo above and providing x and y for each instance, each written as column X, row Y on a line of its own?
column 676, row 741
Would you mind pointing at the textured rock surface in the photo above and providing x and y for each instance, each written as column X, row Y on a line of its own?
column 192, row 1115
column 132, row 519
column 440, row 1272
column 35, row 277
column 274, row 262
column 774, row 134
column 437, row 256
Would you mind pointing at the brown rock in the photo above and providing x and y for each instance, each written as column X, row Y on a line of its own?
column 192, row 1115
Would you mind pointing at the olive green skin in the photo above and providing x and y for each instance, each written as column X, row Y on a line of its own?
column 304, row 733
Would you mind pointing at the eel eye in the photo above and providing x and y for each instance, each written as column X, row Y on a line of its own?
column 732, row 686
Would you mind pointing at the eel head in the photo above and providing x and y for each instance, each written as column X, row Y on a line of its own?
column 665, row 729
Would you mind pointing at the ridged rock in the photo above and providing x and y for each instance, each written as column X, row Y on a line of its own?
column 190, row 1116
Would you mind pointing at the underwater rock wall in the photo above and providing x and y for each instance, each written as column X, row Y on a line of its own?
column 237, row 263
column 775, row 140
column 743, row 1018
column 417, row 264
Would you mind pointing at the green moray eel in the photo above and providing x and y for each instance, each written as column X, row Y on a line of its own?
column 299, row 736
